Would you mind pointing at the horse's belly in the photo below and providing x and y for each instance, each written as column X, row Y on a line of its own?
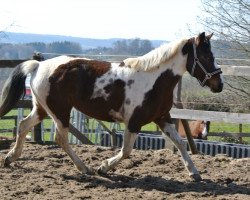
column 101, row 111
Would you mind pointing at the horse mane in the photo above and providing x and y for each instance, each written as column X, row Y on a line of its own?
column 156, row 57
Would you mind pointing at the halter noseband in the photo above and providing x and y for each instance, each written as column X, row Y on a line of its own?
column 207, row 75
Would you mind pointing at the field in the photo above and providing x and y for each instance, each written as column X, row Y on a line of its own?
column 46, row 172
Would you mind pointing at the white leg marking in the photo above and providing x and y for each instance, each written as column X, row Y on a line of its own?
column 171, row 132
column 127, row 147
column 24, row 127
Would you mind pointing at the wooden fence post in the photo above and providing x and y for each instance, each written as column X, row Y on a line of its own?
column 240, row 131
column 190, row 140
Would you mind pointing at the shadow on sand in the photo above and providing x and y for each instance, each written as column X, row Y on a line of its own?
column 150, row 183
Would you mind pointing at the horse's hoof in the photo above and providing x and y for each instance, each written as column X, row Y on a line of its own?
column 103, row 169
column 100, row 171
column 6, row 162
column 90, row 171
column 196, row 177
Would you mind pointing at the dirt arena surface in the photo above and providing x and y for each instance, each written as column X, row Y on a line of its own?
column 46, row 172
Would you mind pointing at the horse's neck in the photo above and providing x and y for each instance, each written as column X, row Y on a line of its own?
column 177, row 64
column 169, row 55
column 167, row 81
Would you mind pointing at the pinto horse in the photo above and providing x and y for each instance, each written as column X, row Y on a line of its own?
column 136, row 91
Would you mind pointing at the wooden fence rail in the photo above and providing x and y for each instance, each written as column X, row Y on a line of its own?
column 10, row 63
column 237, row 118
column 227, row 70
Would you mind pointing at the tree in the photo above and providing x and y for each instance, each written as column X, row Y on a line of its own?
column 134, row 47
column 230, row 20
column 65, row 47
column 145, row 46
column 120, row 47
column 38, row 46
column 139, row 47
column 25, row 51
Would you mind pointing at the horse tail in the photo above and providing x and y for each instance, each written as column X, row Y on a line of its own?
column 14, row 87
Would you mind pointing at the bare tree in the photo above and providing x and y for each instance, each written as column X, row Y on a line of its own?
column 3, row 33
column 230, row 20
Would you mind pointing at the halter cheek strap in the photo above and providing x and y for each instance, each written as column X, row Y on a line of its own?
column 207, row 75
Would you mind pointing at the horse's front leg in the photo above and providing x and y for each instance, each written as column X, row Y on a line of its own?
column 170, row 131
column 128, row 143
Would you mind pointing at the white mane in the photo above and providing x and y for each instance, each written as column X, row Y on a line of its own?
column 156, row 57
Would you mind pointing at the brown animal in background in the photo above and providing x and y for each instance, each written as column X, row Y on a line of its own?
column 199, row 129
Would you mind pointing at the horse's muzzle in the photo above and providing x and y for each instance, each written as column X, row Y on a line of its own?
column 217, row 89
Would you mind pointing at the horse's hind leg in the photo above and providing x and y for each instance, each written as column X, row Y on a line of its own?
column 36, row 115
column 128, row 143
column 62, row 140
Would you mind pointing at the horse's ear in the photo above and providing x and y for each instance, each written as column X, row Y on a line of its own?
column 201, row 38
column 209, row 36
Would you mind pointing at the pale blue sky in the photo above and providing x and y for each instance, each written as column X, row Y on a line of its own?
column 149, row 19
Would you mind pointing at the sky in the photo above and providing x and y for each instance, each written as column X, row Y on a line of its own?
column 147, row 19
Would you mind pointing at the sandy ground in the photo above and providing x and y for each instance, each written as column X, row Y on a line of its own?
column 46, row 172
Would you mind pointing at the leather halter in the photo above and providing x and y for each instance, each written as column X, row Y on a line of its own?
column 207, row 74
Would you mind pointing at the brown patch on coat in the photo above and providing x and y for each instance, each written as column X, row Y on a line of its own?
column 107, row 88
column 72, row 85
column 156, row 104
column 130, row 82
column 102, row 81
column 122, row 64
column 127, row 101
column 40, row 112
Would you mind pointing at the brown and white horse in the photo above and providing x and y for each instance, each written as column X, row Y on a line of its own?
column 136, row 92
column 199, row 129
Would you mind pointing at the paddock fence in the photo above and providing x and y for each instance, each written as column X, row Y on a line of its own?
column 90, row 131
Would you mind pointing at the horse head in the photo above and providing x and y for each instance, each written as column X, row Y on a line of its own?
column 201, row 129
column 201, row 63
